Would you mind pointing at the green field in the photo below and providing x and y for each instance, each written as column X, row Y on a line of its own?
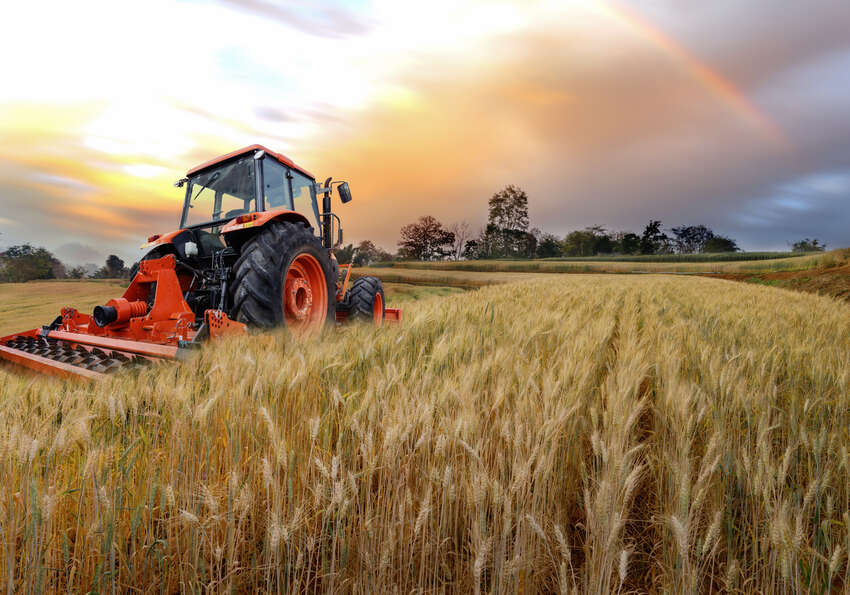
column 699, row 257
column 431, row 277
column 699, row 263
column 401, row 293
column 29, row 305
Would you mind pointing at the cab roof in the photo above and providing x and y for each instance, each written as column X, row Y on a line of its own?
column 250, row 149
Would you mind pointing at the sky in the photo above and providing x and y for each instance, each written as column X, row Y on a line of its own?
column 729, row 113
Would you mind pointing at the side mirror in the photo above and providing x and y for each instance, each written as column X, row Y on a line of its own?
column 339, row 237
column 344, row 192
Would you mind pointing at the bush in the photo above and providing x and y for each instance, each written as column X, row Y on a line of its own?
column 24, row 263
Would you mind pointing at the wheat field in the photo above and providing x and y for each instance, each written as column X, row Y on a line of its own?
column 576, row 434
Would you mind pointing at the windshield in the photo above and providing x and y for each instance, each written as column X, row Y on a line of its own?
column 221, row 193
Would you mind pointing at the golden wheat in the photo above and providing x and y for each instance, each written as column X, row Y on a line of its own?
column 572, row 434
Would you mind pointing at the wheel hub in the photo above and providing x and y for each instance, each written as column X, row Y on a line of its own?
column 299, row 298
column 305, row 295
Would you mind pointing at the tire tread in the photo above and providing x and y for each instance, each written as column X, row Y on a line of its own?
column 257, row 281
column 361, row 297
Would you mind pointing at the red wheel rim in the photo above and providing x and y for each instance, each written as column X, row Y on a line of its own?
column 305, row 295
column 378, row 309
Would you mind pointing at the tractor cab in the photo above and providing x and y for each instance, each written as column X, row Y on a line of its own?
column 247, row 181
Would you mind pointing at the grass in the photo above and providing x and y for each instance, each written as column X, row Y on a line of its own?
column 437, row 278
column 700, row 257
column 29, row 305
column 700, row 263
column 834, row 282
column 400, row 293
column 578, row 434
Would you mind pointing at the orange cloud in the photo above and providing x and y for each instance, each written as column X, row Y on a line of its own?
column 547, row 112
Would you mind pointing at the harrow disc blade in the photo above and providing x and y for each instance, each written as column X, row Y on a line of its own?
column 65, row 358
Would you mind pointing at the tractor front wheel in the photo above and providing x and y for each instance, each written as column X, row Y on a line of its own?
column 365, row 300
column 284, row 276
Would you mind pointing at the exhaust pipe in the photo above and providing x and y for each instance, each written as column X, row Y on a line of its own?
column 118, row 311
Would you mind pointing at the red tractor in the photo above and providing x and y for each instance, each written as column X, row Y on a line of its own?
column 253, row 250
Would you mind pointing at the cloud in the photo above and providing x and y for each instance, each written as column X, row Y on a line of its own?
column 320, row 19
column 76, row 253
column 596, row 135
column 272, row 114
column 605, row 113
column 752, row 41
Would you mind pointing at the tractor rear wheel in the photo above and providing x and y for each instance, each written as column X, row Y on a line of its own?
column 365, row 300
column 284, row 276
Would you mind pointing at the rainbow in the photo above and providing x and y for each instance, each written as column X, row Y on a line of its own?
column 714, row 82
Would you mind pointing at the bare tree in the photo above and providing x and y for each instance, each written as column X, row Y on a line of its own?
column 461, row 231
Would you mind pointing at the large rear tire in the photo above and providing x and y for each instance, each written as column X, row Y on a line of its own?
column 365, row 300
column 284, row 276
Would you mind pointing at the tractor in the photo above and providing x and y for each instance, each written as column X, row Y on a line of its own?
column 253, row 251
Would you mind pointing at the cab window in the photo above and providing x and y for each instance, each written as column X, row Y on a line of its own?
column 276, row 185
column 285, row 188
column 304, row 196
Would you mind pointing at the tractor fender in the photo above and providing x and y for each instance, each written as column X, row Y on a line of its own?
column 238, row 230
column 162, row 239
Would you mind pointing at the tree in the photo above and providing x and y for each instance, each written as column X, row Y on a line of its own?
column 384, row 256
column 653, row 240
column 115, row 266
column 58, row 269
column 113, row 269
column 77, row 272
column 365, row 254
column 461, row 233
column 691, row 238
column 507, row 222
column 579, row 243
column 588, row 242
column 603, row 242
column 472, row 249
column 807, row 245
column 627, row 242
column 549, row 246
column 490, row 242
column 720, row 244
column 345, row 254
column 528, row 245
column 25, row 263
column 426, row 239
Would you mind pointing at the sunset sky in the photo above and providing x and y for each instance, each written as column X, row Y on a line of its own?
column 732, row 113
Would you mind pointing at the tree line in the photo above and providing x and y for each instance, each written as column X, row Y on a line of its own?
column 25, row 262
column 507, row 234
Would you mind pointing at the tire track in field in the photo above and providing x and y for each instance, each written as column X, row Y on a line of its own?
column 620, row 496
